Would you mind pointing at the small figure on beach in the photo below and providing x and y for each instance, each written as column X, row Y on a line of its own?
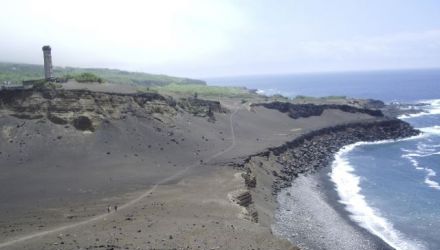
column 116, row 208
column 109, row 209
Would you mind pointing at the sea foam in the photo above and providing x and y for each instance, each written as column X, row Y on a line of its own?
column 349, row 190
column 434, row 130
column 423, row 150
column 432, row 108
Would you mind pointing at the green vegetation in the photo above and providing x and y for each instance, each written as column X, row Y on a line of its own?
column 204, row 90
column 42, row 84
column 16, row 73
column 278, row 97
column 335, row 97
column 85, row 77
column 331, row 97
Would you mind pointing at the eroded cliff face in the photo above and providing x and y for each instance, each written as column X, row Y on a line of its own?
column 202, row 108
column 83, row 109
column 86, row 110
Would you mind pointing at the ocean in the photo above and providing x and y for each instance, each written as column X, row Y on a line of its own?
column 390, row 188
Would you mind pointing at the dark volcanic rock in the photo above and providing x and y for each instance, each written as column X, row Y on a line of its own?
column 315, row 150
column 398, row 109
column 374, row 104
column 83, row 123
column 202, row 108
column 56, row 119
column 296, row 111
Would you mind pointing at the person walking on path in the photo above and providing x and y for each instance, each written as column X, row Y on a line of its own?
column 109, row 209
column 116, row 208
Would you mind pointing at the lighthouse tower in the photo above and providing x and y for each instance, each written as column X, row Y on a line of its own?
column 47, row 62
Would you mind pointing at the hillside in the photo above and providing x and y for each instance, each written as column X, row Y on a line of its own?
column 17, row 72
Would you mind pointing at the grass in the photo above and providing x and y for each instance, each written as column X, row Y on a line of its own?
column 331, row 97
column 16, row 73
column 204, row 90
column 85, row 77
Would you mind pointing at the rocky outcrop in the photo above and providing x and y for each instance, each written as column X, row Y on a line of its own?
column 399, row 109
column 201, row 108
column 315, row 150
column 243, row 198
column 296, row 111
column 373, row 104
column 83, row 109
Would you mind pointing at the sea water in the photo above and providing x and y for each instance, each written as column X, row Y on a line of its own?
column 390, row 188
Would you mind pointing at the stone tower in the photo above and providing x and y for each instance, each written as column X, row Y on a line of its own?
column 47, row 62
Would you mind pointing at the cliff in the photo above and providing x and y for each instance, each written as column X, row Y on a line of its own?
column 202, row 108
column 86, row 110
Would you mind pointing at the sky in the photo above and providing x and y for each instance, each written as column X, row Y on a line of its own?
column 209, row 38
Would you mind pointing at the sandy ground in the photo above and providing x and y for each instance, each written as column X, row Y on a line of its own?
column 194, row 213
column 171, row 182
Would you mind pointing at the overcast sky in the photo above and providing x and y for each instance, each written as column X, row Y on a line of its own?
column 202, row 38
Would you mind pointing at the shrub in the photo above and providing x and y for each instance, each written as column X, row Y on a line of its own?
column 86, row 77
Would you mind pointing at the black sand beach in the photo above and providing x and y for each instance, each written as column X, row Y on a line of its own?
column 311, row 217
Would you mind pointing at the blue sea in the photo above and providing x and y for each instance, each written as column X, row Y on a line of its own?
column 390, row 188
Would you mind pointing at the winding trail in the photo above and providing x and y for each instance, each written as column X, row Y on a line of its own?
column 131, row 202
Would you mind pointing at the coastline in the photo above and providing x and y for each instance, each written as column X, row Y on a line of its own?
column 332, row 198
column 310, row 208
column 238, row 204
column 313, row 154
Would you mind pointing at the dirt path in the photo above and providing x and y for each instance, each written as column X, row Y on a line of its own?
column 131, row 202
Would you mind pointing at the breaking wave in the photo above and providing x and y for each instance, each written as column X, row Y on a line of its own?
column 274, row 91
column 434, row 130
column 423, row 150
column 349, row 190
column 432, row 108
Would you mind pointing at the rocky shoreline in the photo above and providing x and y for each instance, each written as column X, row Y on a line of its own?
column 316, row 149
column 279, row 166
column 128, row 149
column 296, row 111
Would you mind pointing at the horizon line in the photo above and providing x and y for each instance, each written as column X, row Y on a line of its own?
column 246, row 74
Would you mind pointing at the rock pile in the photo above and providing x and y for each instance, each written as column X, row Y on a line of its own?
column 315, row 150
column 296, row 111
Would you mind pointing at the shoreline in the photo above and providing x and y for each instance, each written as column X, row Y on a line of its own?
column 286, row 166
column 310, row 216
column 332, row 198
column 235, row 192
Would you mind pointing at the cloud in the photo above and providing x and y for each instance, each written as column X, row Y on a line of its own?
column 131, row 31
column 216, row 37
